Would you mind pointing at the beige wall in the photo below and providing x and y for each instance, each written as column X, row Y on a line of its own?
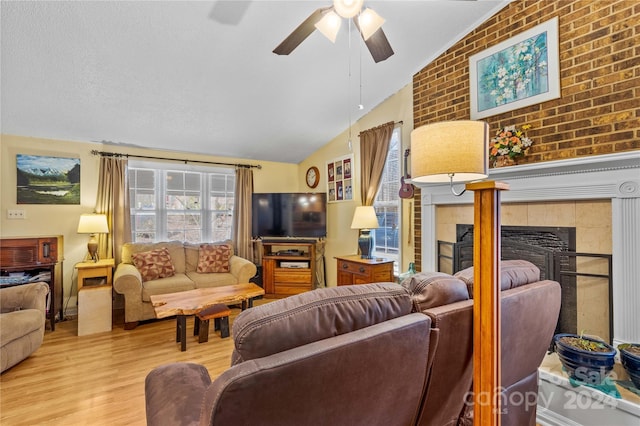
column 63, row 219
column 273, row 177
column 342, row 240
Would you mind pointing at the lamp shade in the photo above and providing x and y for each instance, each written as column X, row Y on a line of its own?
column 369, row 22
column 329, row 25
column 364, row 218
column 450, row 151
column 93, row 224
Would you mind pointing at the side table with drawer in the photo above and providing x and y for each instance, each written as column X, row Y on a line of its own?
column 95, row 296
column 355, row 270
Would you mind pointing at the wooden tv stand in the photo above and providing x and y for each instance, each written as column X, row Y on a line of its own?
column 288, row 267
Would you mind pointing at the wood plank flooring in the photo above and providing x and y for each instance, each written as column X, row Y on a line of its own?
column 99, row 379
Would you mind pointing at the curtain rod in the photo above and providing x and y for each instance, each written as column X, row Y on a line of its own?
column 395, row 123
column 115, row 154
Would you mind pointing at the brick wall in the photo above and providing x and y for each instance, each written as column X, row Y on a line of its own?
column 599, row 108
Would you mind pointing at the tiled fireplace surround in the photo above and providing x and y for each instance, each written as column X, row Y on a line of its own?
column 599, row 196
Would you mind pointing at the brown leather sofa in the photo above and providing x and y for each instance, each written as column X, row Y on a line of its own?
column 374, row 354
column 337, row 356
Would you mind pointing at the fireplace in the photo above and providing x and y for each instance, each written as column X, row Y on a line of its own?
column 606, row 184
column 553, row 251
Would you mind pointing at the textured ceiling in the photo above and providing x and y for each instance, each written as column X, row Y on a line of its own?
column 201, row 76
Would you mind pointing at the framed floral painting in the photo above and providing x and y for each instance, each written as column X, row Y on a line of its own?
column 518, row 72
column 339, row 179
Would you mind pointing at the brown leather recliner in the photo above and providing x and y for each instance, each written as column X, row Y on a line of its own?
column 529, row 313
column 351, row 355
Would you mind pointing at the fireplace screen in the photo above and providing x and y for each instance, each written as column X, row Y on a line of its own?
column 553, row 251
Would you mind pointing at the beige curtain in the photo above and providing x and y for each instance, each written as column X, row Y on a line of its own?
column 242, row 213
column 374, row 146
column 113, row 200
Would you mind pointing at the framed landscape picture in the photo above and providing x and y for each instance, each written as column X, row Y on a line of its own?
column 518, row 72
column 339, row 179
column 47, row 180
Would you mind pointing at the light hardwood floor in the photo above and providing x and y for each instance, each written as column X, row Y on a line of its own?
column 99, row 379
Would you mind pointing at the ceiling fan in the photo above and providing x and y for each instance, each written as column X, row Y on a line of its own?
column 328, row 19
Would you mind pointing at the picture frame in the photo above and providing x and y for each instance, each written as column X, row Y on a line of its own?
column 521, row 71
column 47, row 180
column 340, row 179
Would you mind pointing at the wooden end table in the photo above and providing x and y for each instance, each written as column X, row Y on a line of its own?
column 353, row 269
column 101, row 268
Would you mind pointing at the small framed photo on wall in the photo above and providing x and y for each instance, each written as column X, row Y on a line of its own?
column 339, row 179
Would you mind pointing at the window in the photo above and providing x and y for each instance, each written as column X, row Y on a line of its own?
column 186, row 203
column 387, row 204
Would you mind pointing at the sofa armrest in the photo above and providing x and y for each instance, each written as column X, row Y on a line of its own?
column 27, row 296
column 127, row 280
column 173, row 393
column 242, row 269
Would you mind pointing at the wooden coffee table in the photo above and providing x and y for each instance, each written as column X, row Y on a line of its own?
column 185, row 303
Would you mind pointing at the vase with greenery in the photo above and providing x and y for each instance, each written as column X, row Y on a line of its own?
column 508, row 145
column 586, row 359
column 630, row 358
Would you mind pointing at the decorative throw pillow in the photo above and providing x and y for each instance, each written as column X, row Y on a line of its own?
column 214, row 258
column 154, row 264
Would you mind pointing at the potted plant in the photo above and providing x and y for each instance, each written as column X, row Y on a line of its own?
column 586, row 359
column 630, row 357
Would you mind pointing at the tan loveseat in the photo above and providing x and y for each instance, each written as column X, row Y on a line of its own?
column 22, row 321
column 184, row 256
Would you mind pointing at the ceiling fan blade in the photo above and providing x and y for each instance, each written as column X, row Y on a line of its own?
column 303, row 31
column 377, row 44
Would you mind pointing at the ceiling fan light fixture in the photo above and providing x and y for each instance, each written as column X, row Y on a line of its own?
column 347, row 8
column 369, row 22
column 329, row 25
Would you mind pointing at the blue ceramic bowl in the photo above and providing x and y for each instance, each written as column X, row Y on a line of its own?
column 631, row 363
column 589, row 367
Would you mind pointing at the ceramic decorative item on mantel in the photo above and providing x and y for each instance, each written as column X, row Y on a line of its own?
column 508, row 145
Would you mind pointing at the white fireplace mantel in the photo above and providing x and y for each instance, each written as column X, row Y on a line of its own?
column 612, row 176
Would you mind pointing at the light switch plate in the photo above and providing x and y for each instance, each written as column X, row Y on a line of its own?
column 16, row 214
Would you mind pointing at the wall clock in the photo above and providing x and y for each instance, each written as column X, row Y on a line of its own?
column 313, row 177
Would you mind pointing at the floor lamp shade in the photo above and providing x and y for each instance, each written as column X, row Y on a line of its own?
column 450, row 151
column 93, row 224
column 365, row 219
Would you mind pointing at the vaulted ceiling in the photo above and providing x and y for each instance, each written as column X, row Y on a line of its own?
column 201, row 76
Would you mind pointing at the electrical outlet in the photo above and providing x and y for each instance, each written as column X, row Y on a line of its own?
column 16, row 214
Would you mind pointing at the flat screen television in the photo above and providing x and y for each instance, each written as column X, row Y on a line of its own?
column 296, row 214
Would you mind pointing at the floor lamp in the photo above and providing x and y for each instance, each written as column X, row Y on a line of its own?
column 456, row 152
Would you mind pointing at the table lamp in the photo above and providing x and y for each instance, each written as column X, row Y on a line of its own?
column 365, row 220
column 93, row 224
